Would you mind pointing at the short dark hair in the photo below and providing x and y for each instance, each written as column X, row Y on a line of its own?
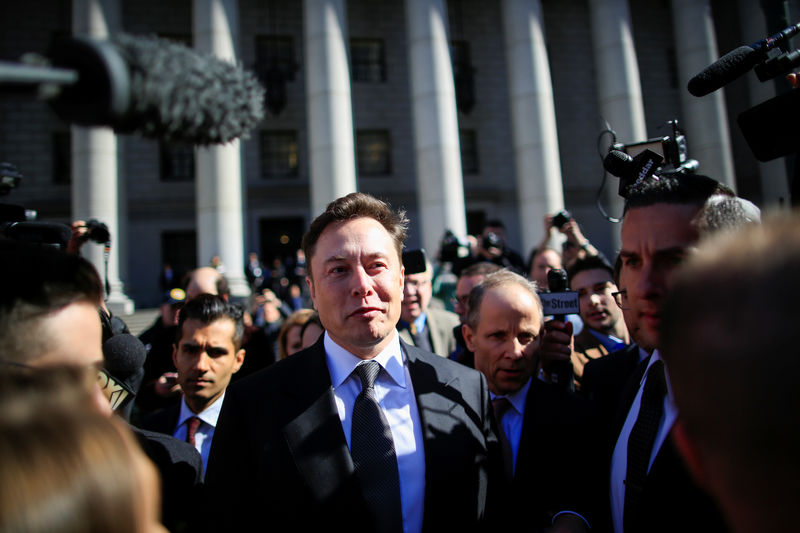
column 356, row 205
column 36, row 281
column 692, row 189
column 592, row 262
column 208, row 308
column 481, row 268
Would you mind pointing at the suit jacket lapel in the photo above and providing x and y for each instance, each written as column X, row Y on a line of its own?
column 435, row 417
column 314, row 434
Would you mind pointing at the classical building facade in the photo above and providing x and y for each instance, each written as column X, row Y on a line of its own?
column 460, row 111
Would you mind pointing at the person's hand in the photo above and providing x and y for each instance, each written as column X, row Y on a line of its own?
column 573, row 232
column 549, row 229
column 556, row 343
column 167, row 385
column 80, row 234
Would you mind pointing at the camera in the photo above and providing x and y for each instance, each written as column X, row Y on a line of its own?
column 98, row 231
column 450, row 248
column 561, row 218
column 493, row 240
column 640, row 160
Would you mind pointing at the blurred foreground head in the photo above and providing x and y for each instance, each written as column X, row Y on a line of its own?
column 729, row 340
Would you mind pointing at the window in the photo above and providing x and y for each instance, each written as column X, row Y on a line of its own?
column 275, row 52
column 176, row 161
column 374, row 152
column 463, row 75
column 469, row 152
column 279, row 154
column 62, row 157
column 368, row 59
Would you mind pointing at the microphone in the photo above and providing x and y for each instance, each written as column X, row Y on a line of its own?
column 123, row 369
column 631, row 169
column 736, row 63
column 146, row 85
column 560, row 301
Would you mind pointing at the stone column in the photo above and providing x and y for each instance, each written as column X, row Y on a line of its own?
column 330, row 113
column 218, row 182
column 618, row 84
column 705, row 119
column 440, row 187
column 96, row 180
column 533, row 118
column 774, row 182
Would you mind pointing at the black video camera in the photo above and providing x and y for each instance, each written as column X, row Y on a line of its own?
column 493, row 240
column 637, row 161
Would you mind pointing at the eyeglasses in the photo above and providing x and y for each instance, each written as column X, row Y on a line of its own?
column 621, row 297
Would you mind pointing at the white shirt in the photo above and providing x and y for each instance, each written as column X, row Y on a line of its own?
column 619, row 461
column 513, row 418
column 205, row 431
column 395, row 395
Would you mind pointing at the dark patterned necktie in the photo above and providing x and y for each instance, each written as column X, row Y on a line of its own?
column 642, row 437
column 372, row 450
column 500, row 406
column 191, row 429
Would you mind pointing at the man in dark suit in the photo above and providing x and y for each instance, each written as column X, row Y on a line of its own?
column 295, row 447
column 420, row 324
column 543, row 429
column 650, row 488
column 207, row 354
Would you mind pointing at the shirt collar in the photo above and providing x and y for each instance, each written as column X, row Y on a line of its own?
column 341, row 363
column 517, row 399
column 419, row 322
column 209, row 415
column 653, row 358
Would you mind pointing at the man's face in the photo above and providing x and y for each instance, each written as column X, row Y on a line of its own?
column 655, row 240
column 598, row 308
column 206, row 358
column 507, row 338
column 73, row 336
column 463, row 288
column 417, row 292
column 357, row 285
column 542, row 264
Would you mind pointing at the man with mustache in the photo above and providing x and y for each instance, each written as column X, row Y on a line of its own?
column 360, row 431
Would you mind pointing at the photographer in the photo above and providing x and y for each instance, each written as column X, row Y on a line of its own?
column 492, row 247
column 574, row 245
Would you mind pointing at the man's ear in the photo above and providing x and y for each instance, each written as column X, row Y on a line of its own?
column 239, row 360
column 469, row 337
column 311, row 290
column 690, row 453
column 175, row 355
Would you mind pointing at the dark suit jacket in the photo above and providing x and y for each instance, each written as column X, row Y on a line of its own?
column 181, row 470
column 280, row 458
column 556, row 459
column 163, row 421
column 671, row 500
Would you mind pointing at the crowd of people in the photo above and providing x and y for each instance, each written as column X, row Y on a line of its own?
column 349, row 390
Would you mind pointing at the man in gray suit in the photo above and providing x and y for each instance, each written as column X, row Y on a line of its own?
column 420, row 324
column 294, row 449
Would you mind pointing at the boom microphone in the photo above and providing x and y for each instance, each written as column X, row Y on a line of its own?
column 146, row 85
column 736, row 63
